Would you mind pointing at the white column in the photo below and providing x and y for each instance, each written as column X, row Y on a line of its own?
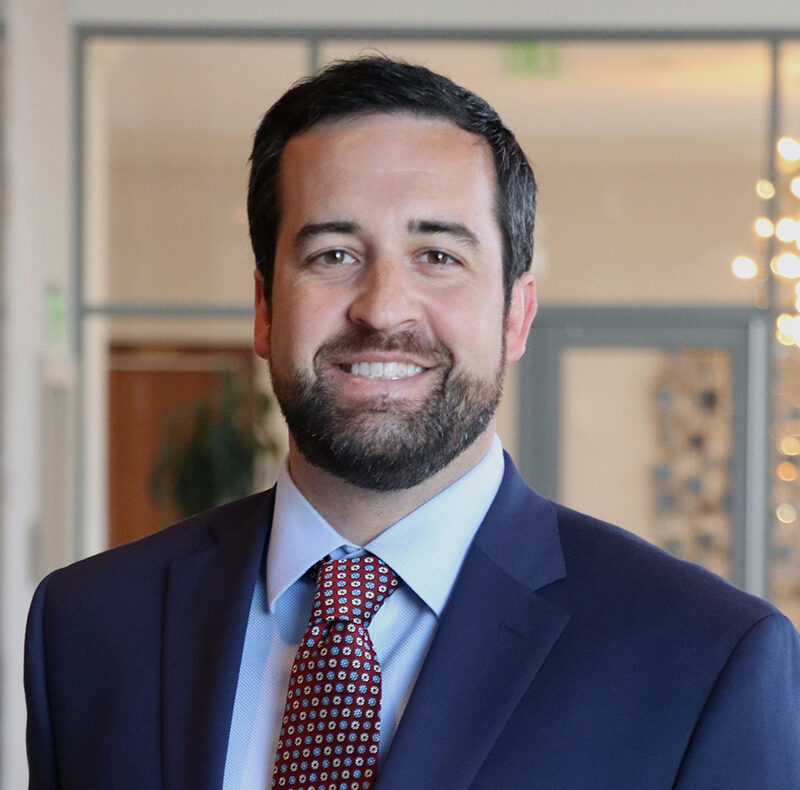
column 94, row 512
column 37, row 262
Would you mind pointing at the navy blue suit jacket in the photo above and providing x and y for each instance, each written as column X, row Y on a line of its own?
column 570, row 656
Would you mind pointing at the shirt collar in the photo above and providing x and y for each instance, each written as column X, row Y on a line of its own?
column 426, row 548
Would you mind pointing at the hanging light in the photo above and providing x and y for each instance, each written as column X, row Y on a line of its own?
column 764, row 189
column 785, row 323
column 784, row 330
column 787, row 264
column 764, row 227
column 789, row 149
column 790, row 445
column 786, row 229
column 744, row 268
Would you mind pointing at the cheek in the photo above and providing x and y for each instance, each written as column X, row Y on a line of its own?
column 305, row 321
column 471, row 328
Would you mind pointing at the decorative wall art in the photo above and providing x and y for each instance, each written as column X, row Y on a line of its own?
column 691, row 478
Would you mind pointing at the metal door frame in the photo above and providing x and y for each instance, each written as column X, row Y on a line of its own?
column 744, row 332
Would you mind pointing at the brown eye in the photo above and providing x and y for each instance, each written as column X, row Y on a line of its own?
column 335, row 257
column 438, row 258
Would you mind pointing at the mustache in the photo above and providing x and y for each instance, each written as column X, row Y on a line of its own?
column 357, row 340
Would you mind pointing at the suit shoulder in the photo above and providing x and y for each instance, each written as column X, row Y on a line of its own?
column 618, row 567
column 141, row 561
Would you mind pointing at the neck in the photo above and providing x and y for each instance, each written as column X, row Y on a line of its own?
column 359, row 514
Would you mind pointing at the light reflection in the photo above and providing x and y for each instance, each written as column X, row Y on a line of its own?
column 764, row 227
column 786, row 513
column 787, row 471
column 785, row 322
column 786, row 229
column 787, row 329
column 744, row 268
column 790, row 445
column 764, row 189
column 789, row 149
column 787, row 265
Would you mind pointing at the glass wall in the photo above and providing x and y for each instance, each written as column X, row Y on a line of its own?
column 168, row 284
column 652, row 447
column 169, row 125
column 647, row 154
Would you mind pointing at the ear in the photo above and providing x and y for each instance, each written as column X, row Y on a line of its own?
column 262, row 319
column 521, row 312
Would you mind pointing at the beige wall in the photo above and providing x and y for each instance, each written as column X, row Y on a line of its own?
column 607, row 234
column 627, row 234
column 609, row 445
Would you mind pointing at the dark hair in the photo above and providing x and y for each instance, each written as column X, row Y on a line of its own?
column 379, row 84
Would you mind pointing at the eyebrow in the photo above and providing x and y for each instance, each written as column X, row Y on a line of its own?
column 456, row 229
column 421, row 226
column 313, row 229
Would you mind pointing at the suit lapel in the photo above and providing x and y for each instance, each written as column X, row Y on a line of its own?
column 494, row 634
column 208, row 599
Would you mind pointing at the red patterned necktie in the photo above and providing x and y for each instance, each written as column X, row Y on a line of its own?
column 331, row 726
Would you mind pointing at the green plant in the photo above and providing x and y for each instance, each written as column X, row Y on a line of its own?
column 209, row 451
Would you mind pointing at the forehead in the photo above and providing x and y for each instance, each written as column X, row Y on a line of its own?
column 387, row 155
column 391, row 125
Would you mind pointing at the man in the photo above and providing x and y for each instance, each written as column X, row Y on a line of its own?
column 464, row 632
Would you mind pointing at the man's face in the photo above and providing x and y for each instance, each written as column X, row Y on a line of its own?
column 385, row 333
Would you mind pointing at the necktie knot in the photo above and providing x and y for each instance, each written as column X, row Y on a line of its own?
column 352, row 589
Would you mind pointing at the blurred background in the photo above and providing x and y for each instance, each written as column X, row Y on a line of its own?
column 661, row 388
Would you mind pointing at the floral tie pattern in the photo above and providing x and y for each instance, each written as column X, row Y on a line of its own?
column 330, row 733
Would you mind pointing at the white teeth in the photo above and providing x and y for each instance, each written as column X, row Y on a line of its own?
column 385, row 370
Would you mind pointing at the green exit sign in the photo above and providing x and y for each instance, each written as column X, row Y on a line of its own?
column 534, row 58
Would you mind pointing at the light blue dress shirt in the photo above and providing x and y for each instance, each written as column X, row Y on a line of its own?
column 426, row 549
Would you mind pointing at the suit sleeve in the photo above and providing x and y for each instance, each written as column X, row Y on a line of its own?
column 39, row 737
column 748, row 735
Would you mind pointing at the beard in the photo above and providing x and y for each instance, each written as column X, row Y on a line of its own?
column 388, row 443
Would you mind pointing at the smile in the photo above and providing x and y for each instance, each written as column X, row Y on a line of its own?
column 382, row 370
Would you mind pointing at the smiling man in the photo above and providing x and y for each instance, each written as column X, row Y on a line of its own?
column 385, row 321
column 401, row 611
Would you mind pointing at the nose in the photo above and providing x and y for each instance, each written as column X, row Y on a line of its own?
column 386, row 300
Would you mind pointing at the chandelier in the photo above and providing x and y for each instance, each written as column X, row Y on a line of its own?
column 778, row 230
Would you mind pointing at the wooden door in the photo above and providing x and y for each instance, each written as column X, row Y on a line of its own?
column 148, row 386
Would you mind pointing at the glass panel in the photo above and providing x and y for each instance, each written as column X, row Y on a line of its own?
column 650, row 449
column 785, row 570
column 646, row 155
column 176, row 422
column 169, row 126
